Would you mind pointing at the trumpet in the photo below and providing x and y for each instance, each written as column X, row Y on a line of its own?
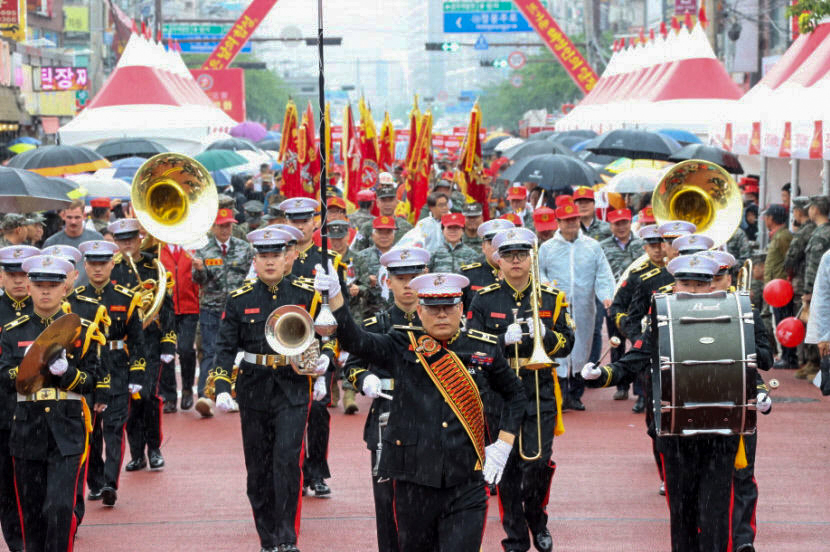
column 745, row 276
column 289, row 330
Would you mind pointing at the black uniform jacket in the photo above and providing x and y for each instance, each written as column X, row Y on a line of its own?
column 11, row 309
column 644, row 281
column 64, row 419
column 311, row 257
column 425, row 443
column 480, row 275
column 492, row 311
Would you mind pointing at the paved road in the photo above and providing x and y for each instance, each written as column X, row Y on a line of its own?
column 604, row 494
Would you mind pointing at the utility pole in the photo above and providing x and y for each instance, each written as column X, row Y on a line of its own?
column 96, row 46
column 157, row 30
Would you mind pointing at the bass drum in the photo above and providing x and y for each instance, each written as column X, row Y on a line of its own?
column 699, row 375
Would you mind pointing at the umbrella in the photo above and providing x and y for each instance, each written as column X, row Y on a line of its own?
column 59, row 160
column 579, row 146
column 725, row 159
column 625, row 164
column 633, row 143
column 552, row 172
column 250, row 130
column 119, row 148
column 221, row 178
column 509, row 143
column 569, row 141
column 273, row 135
column 595, row 159
column 535, row 147
column 126, row 168
column 496, row 134
column 213, row 160
column 23, row 191
column 542, row 135
column 582, row 134
column 232, row 144
column 635, row 181
column 684, row 137
column 488, row 147
column 20, row 147
column 100, row 186
column 269, row 144
column 25, row 140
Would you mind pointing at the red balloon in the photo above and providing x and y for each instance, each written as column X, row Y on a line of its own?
column 778, row 292
column 790, row 332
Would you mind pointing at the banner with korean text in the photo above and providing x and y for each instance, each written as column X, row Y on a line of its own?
column 559, row 43
column 238, row 35
column 225, row 88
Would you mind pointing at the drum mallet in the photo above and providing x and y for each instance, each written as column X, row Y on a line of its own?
column 613, row 343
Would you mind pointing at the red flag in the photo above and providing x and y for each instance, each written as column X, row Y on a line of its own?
column 292, row 185
column 470, row 167
column 421, row 167
column 414, row 121
column 350, row 150
column 326, row 141
column 307, row 154
column 368, row 147
column 704, row 21
column 386, row 145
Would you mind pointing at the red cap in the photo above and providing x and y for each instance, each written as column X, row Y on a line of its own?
column 335, row 201
column 646, row 216
column 584, row 192
column 747, row 180
column 564, row 200
column 751, row 189
column 619, row 214
column 514, row 218
column 517, row 192
column 452, row 219
column 384, row 222
column 365, row 195
column 223, row 216
column 100, row 202
column 544, row 218
column 567, row 211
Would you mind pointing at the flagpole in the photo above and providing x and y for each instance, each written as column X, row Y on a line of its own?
column 324, row 234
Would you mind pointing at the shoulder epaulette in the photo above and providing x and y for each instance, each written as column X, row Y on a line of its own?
column 242, row 290
column 86, row 299
column 488, row 289
column 549, row 289
column 404, row 327
column 482, row 336
column 123, row 290
column 80, row 289
column 470, row 266
column 303, row 284
column 639, row 267
column 117, row 258
column 668, row 288
column 650, row 274
column 16, row 322
column 370, row 321
column 305, row 279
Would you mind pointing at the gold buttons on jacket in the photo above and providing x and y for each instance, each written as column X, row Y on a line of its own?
column 47, row 409
column 398, row 442
column 444, row 424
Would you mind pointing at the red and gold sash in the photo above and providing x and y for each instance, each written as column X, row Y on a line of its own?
column 456, row 385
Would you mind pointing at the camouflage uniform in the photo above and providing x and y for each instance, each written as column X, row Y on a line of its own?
column 361, row 217
column 776, row 251
column 474, row 243
column 819, row 243
column 598, row 229
column 456, row 197
column 795, row 263
column 221, row 275
column 363, row 239
column 739, row 247
column 100, row 225
column 366, row 264
column 447, row 258
column 620, row 259
column 527, row 219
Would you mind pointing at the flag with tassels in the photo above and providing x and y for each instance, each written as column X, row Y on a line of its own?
column 469, row 173
column 368, row 147
column 307, row 154
column 386, row 145
column 420, row 167
column 292, row 185
column 351, row 155
column 326, row 141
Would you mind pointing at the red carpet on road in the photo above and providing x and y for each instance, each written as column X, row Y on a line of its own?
column 603, row 498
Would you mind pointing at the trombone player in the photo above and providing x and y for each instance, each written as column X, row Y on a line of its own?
column 500, row 308
column 273, row 399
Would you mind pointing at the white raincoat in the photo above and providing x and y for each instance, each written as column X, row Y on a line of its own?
column 578, row 268
column 818, row 327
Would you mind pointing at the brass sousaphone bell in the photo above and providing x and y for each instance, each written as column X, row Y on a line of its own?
column 289, row 330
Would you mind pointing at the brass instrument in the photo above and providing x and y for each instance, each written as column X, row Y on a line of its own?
column 157, row 286
column 289, row 330
column 744, row 276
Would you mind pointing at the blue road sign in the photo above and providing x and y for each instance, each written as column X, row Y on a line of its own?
column 486, row 22
column 206, row 47
column 481, row 43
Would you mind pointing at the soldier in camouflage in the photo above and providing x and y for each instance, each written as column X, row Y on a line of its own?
column 253, row 216
column 590, row 224
column 445, row 185
column 100, row 213
column 14, row 233
column 795, row 266
column 387, row 203
column 817, row 245
column 227, row 202
column 473, row 217
column 739, row 247
column 622, row 247
column 371, row 287
column 451, row 253
column 517, row 197
column 365, row 200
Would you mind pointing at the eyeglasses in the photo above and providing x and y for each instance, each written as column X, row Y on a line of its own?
column 435, row 310
column 515, row 256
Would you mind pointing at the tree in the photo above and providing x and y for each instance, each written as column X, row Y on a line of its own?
column 809, row 13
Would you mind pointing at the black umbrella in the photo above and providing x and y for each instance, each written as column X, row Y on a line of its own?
column 571, row 135
column 233, row 144
column 725, row 159
column 489, row 147
column 59, row 160
column 595, row 159
column 633, row 143
column 23, row 191
column 536, row 147
column 543, row 135
column 552, row 172
column 119, row 148
column 268, row 144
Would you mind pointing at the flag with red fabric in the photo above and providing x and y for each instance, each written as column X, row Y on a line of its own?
column 351, row 155
column 368, row 147
column 292, row 184
column 470, row 171
column 386, row 145
column 420, row 167
column 307, row 155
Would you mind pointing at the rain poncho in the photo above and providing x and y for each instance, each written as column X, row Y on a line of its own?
column 578, row 268
column 431, row 230
column 818, row 327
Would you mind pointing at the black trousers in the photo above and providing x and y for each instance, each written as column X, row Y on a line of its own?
column 273, row 443
column 144, row 418
column 698, row 473
column 46, row 491
column 185, row 340
column 107, row 429
column 745, row 498
column 9, row 516
column 525, row 484
column 384, row 493
column 448, row 519
column 316, row 464
column 788, row 354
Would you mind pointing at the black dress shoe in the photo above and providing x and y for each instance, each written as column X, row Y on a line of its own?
column 321, row 490
column 640, row 405
column 572, row 404
column 170, row 407
column 156, row 459
column 137, row 464
column 187, row 400
column 287, row 548
column 543, row 541
column 109, row 496
column 745, row 548
column 782, row 364
column 93, row 495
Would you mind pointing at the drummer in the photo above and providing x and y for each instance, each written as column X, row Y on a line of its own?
column 698, row 470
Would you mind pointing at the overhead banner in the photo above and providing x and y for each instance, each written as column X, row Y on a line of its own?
column 238, row 35
column 225, row 88
column 559, row 43
column 13, row 19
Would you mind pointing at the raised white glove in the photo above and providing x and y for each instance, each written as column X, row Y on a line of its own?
column 531, row 327
column 58, row 366
column 371, row 386
column 326, row 280
column 591, row 371
column 134, row 388
column 224, row 402
column 513, row 334
column 167, row 358
column 495, row 458
column 764, row 402
column 321, row 365
column 319, row 390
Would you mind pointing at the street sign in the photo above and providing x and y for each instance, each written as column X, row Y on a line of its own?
column 516, row 80
column 205, row 45
column 481, row 43
column 486, row 22
column 174, row 29
column 478, row 6
column 516, row 60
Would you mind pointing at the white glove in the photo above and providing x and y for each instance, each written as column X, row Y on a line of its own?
column 591, row 372
column 513, row 334
column 326, row 280
column 764, row 402
column 134, row 388
column 371, row 386
column 59, row 365
column 531, row 327
column 319, row 390
column 321, row 365
column 224, row 402
column 495, row 458
column 752, row 361
column 167, row 358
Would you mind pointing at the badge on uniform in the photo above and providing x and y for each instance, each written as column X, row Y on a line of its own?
column 481, row 359
column 213, row 262
column 428, row 345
